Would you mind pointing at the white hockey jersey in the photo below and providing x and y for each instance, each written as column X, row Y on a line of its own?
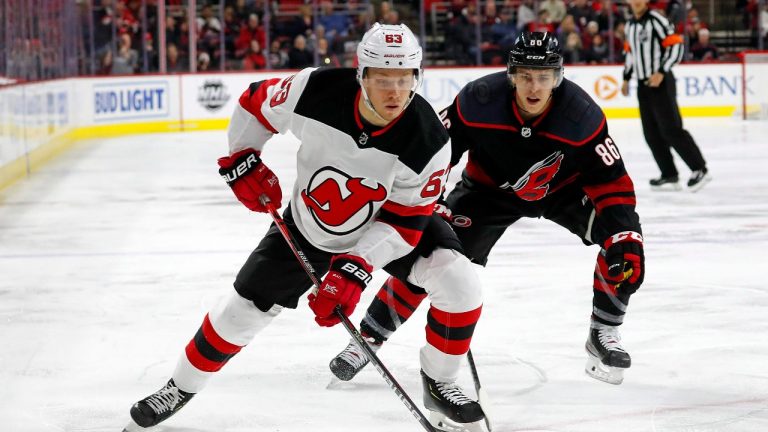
column 360, row 189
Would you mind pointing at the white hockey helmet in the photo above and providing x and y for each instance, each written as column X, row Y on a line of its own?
column 389, row 46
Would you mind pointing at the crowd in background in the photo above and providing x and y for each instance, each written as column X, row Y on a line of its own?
column 235, row 37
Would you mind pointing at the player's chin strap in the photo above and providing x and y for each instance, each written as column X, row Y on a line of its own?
column 356, row 336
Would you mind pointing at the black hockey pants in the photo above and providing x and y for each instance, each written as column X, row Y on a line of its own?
column 663, row 127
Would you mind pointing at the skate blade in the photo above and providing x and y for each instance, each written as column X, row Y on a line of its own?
column 697, row 187
column 599, row 371
column 442, row 423
column 133, row 427
column 668, row 187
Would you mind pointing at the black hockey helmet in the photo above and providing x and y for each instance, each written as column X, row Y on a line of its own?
column 536, row 50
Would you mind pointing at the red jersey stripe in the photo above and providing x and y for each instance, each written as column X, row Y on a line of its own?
column 394, row 304
column 200, row 362
column 399, row 288
column 600, row 205
column 621, row 184
column 252, row 103
column 453, row 347
column 410, row 236
column 456, row 319
column 404, row 210
column 217, row 341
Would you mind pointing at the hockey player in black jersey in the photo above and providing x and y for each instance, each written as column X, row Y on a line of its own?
column 538, row 147
column 372, row 164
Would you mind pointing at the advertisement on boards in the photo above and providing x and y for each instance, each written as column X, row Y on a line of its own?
column 131, row 100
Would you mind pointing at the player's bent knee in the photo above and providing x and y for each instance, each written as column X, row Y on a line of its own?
column 237, row 320
column 450, row 279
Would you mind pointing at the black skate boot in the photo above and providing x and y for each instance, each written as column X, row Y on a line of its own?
column 450, row 409
column 698, row 179
column 352, row 359
column 665, row 184
column 160, row 405
column 607, row 358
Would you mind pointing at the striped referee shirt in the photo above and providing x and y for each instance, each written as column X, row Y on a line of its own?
column 650, row 46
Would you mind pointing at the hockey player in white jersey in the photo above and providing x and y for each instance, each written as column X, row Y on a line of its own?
column 372, row 162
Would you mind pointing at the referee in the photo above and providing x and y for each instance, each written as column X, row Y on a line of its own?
column 652, row 48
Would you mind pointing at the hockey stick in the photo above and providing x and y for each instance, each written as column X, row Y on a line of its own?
column 356, row 336
column 482, row 395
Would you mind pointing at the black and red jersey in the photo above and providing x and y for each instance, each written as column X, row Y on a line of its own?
column 530, row 161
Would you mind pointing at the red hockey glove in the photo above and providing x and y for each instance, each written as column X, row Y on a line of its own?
column 441, row 208
column 624, row 261
column 345, row 281
column 249, row 179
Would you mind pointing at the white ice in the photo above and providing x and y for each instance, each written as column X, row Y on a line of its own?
column 111, row 255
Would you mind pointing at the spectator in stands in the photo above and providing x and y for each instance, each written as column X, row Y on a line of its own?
column 618, row 43
column 105, row 62
column 504, row 31
column 675, row 12
column 542, row 24
column 598, row 50
column 336, row 23
column 587, row 36
column 203, row 62
column 384, row 8
column 125, row 21
column 608, row 11
column 242, row 10
column 555, row 8
column 301, row 24
column 525, row 14
column 460, row 36
column 692, row 26
column 489, row 13
column 174, row 63
column 172, row 30
column 704, row 49
column 278, row 58
column 764, row 22
column 254, row 58
column 582, row 13
column 253, row 31
column 572, row 51
column 392, row 17
column 209, row 34
column 567, row 26
column 327, row 57
column 102, row 33
column 126, row 61
column 299, row 56
column 232, row 27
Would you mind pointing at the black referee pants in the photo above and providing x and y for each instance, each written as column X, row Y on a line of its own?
column 663, row 127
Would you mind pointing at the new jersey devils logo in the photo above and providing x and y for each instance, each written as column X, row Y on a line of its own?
column 339, row 203
column 534, row 184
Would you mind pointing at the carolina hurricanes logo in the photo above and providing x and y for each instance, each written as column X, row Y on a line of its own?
column 534, row 184
column 339, row 203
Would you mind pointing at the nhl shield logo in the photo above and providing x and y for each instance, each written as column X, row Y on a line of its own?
column 363, row 139
column 525, row 132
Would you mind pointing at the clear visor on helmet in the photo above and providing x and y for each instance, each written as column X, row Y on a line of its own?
column 405, row 82
column 539, row 78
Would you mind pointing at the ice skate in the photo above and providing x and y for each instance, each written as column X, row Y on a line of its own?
column 665, row 184
column 607, row 359
column 352, row 359
column 157, row 407
column 450, row 409
column 698, row 179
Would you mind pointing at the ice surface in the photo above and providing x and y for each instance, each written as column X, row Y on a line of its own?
column 111, row 255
